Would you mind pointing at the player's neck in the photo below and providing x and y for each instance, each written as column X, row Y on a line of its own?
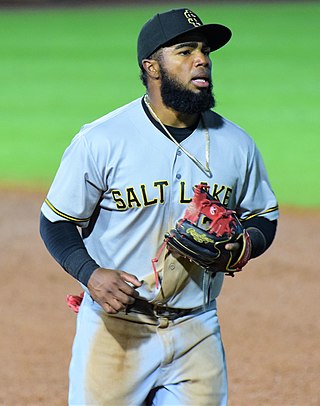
column 169, row 116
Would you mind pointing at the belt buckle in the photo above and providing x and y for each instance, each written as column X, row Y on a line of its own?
column 161, row 311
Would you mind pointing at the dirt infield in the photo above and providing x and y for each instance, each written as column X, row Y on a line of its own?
column 268, row 314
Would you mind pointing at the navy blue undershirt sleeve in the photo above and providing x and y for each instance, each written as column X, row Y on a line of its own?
column 65, row 244
column 262, row 232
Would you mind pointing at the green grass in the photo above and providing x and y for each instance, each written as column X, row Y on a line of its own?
column 62, row 68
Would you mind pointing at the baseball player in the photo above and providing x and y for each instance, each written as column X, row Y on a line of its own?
column 143, row 336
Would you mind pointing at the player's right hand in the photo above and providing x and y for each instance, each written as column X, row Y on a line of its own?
column 112, row 289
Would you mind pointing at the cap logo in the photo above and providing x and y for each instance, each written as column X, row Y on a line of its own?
column 192, row 18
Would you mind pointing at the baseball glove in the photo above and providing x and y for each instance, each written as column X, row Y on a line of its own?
column 203, row 232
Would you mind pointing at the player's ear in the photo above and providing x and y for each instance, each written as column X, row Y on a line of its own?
column 151, row 66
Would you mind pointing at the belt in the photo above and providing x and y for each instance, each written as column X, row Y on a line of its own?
column 171, row 313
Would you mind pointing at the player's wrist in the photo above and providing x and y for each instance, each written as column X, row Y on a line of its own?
column 258, row 242
column 80, row 265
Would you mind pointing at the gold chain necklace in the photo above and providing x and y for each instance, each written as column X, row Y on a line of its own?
column 204, row 169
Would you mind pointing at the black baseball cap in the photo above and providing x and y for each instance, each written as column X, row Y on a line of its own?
column 165, row 27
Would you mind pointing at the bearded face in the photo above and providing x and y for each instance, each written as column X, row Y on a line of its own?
column 175, row 95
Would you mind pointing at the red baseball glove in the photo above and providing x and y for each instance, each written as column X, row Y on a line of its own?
column 203, row 232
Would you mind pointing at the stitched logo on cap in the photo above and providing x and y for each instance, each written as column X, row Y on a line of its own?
column 192, row 18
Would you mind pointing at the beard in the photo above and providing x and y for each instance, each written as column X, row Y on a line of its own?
column 177, row 97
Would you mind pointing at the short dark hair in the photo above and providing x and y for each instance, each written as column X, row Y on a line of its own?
column 157, row 56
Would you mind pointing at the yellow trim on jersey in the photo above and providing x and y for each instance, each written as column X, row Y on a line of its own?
column 63, row 214
column 261, row 213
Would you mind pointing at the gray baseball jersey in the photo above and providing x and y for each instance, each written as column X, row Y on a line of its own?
column 126, row 184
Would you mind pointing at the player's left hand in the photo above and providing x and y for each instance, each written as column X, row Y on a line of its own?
column 234, row 247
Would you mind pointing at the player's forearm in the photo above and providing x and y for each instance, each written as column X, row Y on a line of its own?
column 262, row 233
column 65, row 244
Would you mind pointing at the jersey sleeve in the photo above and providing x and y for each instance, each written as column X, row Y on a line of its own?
column 257, row 198
column 77, row 186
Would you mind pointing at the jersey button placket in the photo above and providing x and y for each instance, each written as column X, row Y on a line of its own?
column 179, row 152
column 177, row 175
